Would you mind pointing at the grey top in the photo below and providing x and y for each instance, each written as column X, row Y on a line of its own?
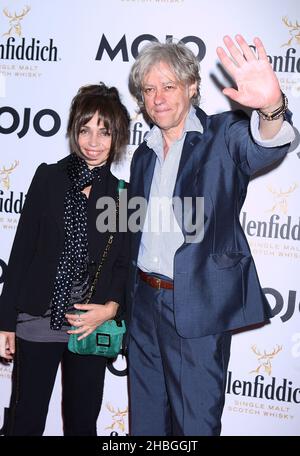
column 37, row 328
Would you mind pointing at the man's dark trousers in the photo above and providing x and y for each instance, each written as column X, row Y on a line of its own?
column 176, row 385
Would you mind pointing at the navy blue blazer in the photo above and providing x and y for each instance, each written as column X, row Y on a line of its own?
column 216, row 286
column 39, row 241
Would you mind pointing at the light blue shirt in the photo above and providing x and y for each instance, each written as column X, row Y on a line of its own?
column 162, row 235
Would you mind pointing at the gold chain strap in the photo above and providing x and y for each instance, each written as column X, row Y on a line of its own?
column 104, row 256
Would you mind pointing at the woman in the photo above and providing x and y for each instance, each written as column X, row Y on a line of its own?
column 54, row 258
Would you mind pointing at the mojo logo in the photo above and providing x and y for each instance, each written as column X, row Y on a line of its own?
column 38, row 121
column 20, row 49
column 114, row 367
column 3, row 268
column 291, row 307
column 122, row 47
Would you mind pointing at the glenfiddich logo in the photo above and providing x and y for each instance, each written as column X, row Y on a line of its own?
column 281, row 198
column 138, row 131
column 280, row 225
column 15, row 21
column 19, row 48
column 277, row 389
column 290, row 62
column 264, row 360
column 118, row 418
column 5, row 173
column 264, row 387
column 294, row 31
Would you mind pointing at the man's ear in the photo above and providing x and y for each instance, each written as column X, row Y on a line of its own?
column 192, row 89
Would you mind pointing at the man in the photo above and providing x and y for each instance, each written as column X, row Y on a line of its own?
column 188, row 293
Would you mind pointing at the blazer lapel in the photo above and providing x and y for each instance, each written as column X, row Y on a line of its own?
column 148, row 165
column 59, row 189
column 190, row 156
column 187, row 165
column 141, row 188
column 103, row 187
column 185, row 186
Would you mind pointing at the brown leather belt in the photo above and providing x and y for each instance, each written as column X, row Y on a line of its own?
column 155, row 282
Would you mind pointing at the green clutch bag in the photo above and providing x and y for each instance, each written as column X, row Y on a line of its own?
column 106, row 340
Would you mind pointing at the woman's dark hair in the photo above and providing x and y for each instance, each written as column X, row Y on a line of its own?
column 106, row 102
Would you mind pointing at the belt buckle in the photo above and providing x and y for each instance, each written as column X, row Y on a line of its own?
column 158, row 283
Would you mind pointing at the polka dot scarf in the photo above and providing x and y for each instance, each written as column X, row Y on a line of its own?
column 73, row 263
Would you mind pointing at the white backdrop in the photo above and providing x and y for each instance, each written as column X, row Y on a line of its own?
column 48, row 49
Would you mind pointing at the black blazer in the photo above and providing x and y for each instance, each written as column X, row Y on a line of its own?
column 39, row 241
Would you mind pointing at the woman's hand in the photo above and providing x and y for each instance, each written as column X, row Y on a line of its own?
column 94, row 316
column 7, row 344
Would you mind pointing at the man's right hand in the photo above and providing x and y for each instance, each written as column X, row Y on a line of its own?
column 7, row 344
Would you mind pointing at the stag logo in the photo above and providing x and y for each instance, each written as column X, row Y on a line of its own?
column 281, row 199
column 264, row 360
column 294, row 31
column 118, row 418
column 15, row 21
column 4, row 174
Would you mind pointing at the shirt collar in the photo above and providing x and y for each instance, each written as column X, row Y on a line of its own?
column 192, row 123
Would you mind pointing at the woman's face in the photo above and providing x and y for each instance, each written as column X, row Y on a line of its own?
column 94, row 142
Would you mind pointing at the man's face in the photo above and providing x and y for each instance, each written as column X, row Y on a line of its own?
column 167, row 101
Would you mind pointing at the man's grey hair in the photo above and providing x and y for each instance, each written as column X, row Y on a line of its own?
column 177, row 55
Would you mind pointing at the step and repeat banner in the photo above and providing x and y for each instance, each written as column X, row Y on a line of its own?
column 48, row 49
